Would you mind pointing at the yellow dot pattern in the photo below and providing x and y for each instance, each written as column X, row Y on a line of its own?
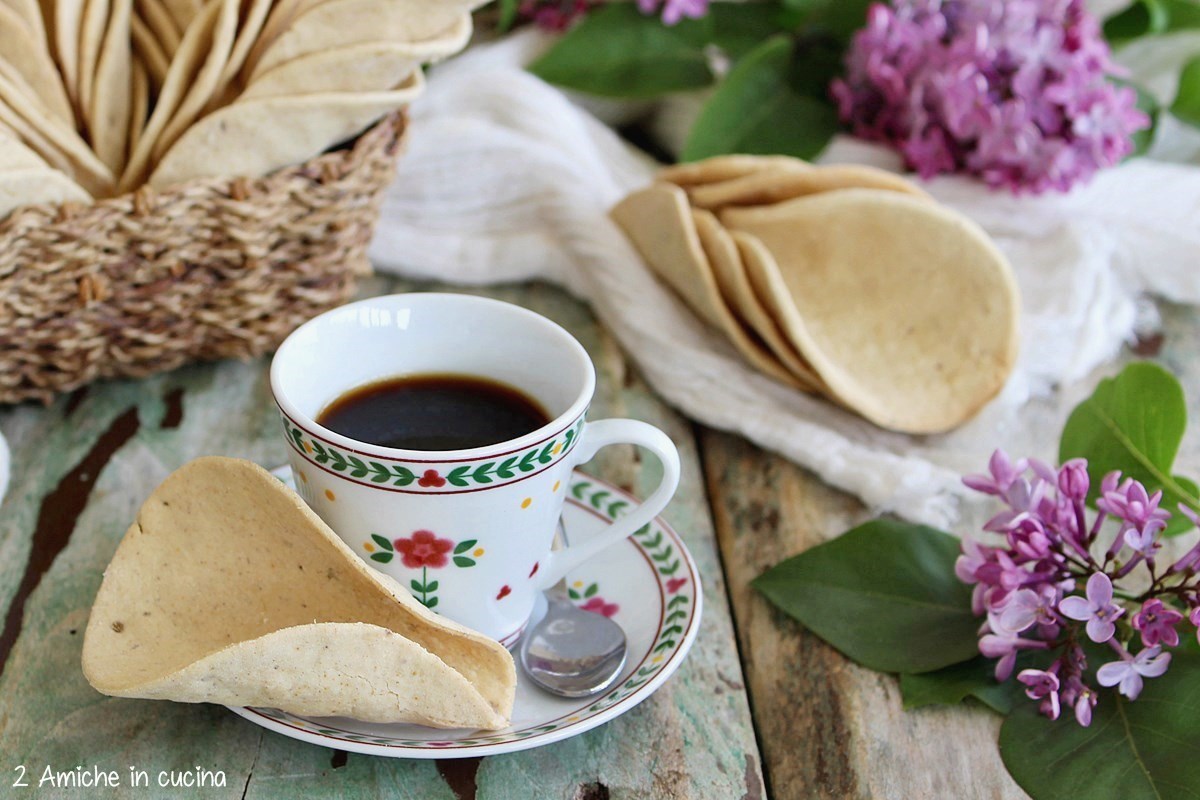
column 370, row 548
column 477, row 552
column 527, row 502
column 303, row 477
column 330, row 495
column 556, row 485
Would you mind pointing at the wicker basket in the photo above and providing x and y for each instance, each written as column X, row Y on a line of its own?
column 211, row 269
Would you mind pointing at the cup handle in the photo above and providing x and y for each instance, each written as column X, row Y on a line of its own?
column 596, row 436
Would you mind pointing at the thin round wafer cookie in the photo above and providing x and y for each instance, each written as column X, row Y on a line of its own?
column 724, row 168
column 358, row 68
column 28, row 56
column 107, row 117
column 775, row 186
column 734, row 285
column 658, row 222
column 259, row 136
column 906, row 310
column 342, row 23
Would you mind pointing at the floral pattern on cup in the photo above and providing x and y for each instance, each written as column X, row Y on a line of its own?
column 424, row 550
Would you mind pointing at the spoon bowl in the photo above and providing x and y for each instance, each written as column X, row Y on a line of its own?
column 571, row 652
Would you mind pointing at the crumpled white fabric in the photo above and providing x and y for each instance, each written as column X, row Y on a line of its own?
column 505, row 179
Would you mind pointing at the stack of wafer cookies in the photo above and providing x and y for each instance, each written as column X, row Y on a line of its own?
column 846, row 281
column 99, row 97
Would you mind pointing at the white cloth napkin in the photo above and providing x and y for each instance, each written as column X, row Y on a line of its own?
column 505, row 179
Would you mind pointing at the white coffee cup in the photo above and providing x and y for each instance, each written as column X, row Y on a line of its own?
column 468, row 532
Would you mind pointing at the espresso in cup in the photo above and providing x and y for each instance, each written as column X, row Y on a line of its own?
column 434, row 412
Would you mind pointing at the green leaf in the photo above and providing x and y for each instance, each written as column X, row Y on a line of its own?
column 1132, row 750
column 619, row 52
column 574, row 595
column 508, row 13
column 764, row 106
column 455, row 476
column 955, row 683
column 432, row 586
column 1133, row 423
column 382, row 542
column 417, row 586
column 884, row 594
column 431, row 602
column 738, row 28
column 1139, row 19
column 841, row 18
column 382, row 558
column 464, row 546
column 1150, row 18
column 591, row 590
column 1186, row 105
column 463, row 561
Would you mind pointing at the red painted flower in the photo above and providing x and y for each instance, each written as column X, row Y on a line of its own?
column 675, row 584
column 431, row 479
column 504, row 592
column 423, row 549
column 598, row 606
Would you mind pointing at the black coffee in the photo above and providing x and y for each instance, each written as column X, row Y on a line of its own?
column 434, row 412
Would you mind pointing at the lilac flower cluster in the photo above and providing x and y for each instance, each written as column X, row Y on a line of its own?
column 1015, row 92
column 1045, row 589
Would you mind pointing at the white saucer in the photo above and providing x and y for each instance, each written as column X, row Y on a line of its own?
column 648, row 584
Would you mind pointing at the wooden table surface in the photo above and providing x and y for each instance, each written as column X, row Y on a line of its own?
column 761, row 708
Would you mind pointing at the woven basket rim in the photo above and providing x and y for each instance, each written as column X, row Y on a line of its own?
column 342, row 156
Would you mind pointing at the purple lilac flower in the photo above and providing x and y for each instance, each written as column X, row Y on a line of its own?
column 1143, row 519
column 1014, row 92
column 1042, row 685
column 674, row 10
column 1026, row 608
column 1003, row 473
column 1156, row 623
column 1194, row 618
column 1127, row 673
column 1097, row 610
column 1083, row 703
column 1005, row 647
column 1073, row 480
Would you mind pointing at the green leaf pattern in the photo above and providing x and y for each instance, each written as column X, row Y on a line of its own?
column 415, row 476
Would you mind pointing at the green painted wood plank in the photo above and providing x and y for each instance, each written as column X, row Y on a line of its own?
column 692, row 739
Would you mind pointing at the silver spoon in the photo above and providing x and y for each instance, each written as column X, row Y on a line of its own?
column 570, row 652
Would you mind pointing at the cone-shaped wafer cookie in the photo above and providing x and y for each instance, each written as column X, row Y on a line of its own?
column 229, row 589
